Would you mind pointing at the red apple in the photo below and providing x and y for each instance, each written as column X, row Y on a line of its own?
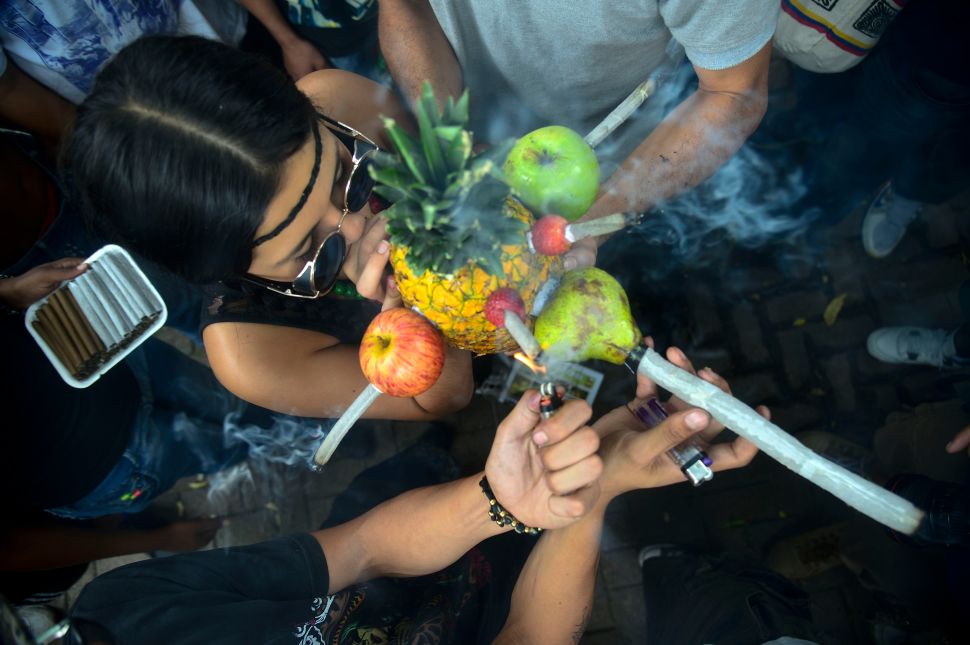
column 401, row 353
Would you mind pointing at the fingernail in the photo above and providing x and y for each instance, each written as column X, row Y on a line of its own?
column 696, row 420
column 540, row 438
column 949, row 447
column 83, row 266
column 383, row 246
column 391, row 283
column 534, row 401
column 569, row 263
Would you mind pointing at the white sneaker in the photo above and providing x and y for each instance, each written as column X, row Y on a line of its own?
column 913, row 345
column 882, row 233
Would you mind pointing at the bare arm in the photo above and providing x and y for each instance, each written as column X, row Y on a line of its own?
column 300, row 57
column 425, row 530
column 553, row 596
column 28, row 105
column 36, row 545
column 416, row 49
column 307, row 373
column 692, row 142
column 419, row 532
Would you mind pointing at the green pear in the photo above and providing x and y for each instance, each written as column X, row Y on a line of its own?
column 587, row 317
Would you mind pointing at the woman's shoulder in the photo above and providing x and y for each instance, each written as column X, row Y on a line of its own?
column 353, row 99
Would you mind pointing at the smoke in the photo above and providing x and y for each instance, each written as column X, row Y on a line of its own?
column 290, row 441
column 749, row 202
column 252, row 457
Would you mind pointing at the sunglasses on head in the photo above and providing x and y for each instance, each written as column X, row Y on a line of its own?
column 319, row 274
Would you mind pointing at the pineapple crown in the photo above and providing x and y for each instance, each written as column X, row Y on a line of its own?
column 447, row 204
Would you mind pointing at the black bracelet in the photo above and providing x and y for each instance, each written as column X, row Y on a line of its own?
column 502, row 517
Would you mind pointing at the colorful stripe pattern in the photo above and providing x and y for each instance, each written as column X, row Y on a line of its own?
column 799, row 13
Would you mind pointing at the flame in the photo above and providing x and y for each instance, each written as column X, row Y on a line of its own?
column 528, row 362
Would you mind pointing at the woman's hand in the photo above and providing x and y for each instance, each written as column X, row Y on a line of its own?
column 367, row 259
column 24, row 290
column 544, row 471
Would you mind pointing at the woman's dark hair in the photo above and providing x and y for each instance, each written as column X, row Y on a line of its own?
column 179, row 148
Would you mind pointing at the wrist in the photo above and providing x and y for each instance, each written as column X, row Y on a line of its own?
column 475, row 513
column 501, row 516
column 7, row 304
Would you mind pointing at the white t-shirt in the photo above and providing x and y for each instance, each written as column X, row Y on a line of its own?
column 541, row 62
column 63, row 43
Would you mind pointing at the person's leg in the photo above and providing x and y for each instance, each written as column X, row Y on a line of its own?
column 921, row 119
column 178, row 431
column 694, row 599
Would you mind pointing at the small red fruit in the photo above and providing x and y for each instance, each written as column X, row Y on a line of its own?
column 499, row 301
column 549, row 235
column 401, row 353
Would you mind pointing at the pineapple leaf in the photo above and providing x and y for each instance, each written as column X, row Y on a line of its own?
column 456, row 112
column 394, row 177
column 427, row 112
column 390, row 193
column 429, row 210
column 460, row 111
column 495, row 156
column 457, row 144
column 409, row 150
column 428, row 105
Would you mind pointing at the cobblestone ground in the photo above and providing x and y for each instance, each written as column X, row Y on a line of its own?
column 758, row 318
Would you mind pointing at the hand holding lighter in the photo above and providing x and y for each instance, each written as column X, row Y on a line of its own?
column 688, row 455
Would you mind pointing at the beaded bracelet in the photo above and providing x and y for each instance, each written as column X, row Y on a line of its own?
column 501, row 516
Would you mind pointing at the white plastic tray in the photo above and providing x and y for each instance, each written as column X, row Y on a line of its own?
column 127, row 284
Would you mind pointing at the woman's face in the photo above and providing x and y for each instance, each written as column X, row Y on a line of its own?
column 284, row 256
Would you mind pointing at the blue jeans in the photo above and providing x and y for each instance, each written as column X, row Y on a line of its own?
column 178, row 431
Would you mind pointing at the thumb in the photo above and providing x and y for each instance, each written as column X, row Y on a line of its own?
column 521, row 420
column 674, row 430
column 64, row 269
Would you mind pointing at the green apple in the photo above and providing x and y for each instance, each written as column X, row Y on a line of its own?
column 552, row 170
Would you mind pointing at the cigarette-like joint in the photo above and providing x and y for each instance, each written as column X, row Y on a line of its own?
column 602, row 225
column 518, row 330
column 865, row 496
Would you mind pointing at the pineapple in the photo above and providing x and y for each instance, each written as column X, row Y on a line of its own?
column 456, row 232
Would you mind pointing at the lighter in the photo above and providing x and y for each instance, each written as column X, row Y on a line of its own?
column 549, row 400
column 689, row 456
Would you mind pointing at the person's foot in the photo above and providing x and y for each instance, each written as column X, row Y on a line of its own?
column 886, row 221
column 914, row 345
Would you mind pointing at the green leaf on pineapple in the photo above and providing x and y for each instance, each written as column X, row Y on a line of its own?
column 457, row 145
column 409, row 150
column 427, row 114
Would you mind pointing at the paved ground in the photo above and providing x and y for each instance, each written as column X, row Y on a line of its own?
column 762, row 326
